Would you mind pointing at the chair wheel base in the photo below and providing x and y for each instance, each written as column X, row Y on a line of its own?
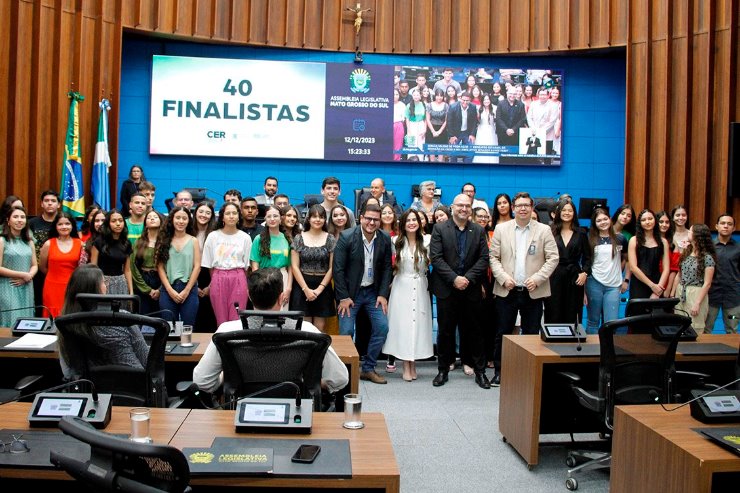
column 571, row 484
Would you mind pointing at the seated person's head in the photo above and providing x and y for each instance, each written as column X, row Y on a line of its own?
column 87, row 279
column 265, row 286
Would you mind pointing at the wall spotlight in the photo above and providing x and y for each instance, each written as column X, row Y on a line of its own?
column 358, row 56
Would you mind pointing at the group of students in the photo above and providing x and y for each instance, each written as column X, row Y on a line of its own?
column 192, row 265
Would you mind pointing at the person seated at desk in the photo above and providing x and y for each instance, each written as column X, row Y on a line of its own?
column 117, row 345
column 265, row 287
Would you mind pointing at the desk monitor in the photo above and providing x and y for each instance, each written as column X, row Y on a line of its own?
column 32, row 325
column 109, row 302
column 586, row 207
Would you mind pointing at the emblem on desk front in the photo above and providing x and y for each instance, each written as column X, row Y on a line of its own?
column 201, row 457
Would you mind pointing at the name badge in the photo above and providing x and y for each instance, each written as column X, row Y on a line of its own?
column 532, row 249
column 370, row 272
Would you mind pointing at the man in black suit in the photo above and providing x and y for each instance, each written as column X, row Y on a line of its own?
column 462, row 123
column 377, row 190
column 362, row 278
column 459, row 256
column 510, row 117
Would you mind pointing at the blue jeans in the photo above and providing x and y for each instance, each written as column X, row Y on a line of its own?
column 185, row 311
column 603, row 304
column 367, row 297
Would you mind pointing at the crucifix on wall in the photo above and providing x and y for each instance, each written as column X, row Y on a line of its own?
column 358, row 11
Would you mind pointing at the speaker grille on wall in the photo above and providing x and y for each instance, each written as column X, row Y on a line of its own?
column 733, row 161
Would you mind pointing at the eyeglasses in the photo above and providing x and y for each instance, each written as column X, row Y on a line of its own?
column 16, row 446
column 462, row 206
column 371, row 219
column 522, row 206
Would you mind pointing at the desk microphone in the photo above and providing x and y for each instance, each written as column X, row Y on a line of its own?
column 262, row 391
column 93, row 392
column 236, row 307
column 50, row 317
column 579, row 346
column 655, row 394
column 160, row 312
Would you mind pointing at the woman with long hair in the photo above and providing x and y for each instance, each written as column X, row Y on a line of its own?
column 178, row 264
column 60, row 256
column 623, row 221
column 388, row 220
column 143, row 267
column 450, row 95
column 399, row 111
column 116, row 345
column 666, row 228
column 86, row 228
column 409, row 307
column 496, row 94
column 11, row 202
column 18, row 266
column 696, row 271
column 226, row 257
column 205, row 224
column 271, row 248
column 528, row 97
column 436, row 122
column 441, row 215
column 486, row 133
column 289, row 220
column 569, row 278
column 426, row 96
column 339, row 220
column 130, row 186
column 111, row 251
column 557, row 141
column 604, row 283
column 646, row 251
column 311, row 261
column 680, row 218
column 502, row 210
column 415, row 121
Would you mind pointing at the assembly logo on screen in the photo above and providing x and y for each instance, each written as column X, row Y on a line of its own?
column 359, row 81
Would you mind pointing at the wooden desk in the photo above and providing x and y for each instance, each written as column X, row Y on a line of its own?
column 526, row 362
column 343, row 346
column 654, row 450
column 164, row 425
column 373, row 461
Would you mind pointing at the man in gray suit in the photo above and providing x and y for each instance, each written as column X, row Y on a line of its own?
column 523, row 257
column 459, row 256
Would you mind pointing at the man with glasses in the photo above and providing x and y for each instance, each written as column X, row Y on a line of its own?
column 523, row 257
column 462, row 122
column 459, row 256
column 362, row 278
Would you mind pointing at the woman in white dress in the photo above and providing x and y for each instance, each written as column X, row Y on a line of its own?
column 486, row 135
column 409, row 308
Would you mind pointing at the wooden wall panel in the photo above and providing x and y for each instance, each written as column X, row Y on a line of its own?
column 682, row 64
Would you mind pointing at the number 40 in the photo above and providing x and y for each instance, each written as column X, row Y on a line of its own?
column 244, row 87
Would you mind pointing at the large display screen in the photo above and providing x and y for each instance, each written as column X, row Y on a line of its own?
column 274, row 109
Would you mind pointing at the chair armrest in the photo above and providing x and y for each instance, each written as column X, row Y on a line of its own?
column 571, row 377
column 186, row 385
column 27, row 381
column 589, row 400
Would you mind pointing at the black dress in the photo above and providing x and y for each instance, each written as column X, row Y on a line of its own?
column 648, row 260
column 128, row 188
column 565, row 304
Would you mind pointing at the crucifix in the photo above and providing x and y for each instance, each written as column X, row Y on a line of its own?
column 358, row 10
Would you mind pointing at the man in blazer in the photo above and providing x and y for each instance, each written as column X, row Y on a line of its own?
column 362, row 278
column 459, row 256
column 462, row 123
column 377, row 190
column 523, row 257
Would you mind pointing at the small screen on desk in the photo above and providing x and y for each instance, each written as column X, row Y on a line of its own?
column 267, row 412
column 30, row 325
column 560, row 330
column 56, row 407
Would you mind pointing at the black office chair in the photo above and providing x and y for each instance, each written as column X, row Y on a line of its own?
column 199, row 195
column 24, row 386
column 129, row 386
column 118, row 464
column 256, row 359
column 543, row 207
column 633, row 369
column 360, row 191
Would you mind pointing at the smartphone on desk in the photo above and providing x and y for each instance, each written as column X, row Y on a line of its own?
column 306, row 454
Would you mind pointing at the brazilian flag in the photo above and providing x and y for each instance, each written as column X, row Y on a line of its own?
column 72, row 193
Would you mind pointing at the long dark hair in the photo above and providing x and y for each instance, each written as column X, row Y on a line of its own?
column 167, row 232
column 496, row 214
column 630, row 226
column 86, row 223
column 212, row 223
column 394, row 224
column 640, row 232
column 143, row 241
column 419, row 251
column 557, row 222
column 131, row 169
column 7, row 207
column 107, row 233
column 296, row 229
column 264, row 249
column 704, row 246
column 86, row 278
column 53, row 233
column 219, row 224
column 316, row 210
column 25, row 232
column 671, row 228
column 330, row 223
column 593, row 231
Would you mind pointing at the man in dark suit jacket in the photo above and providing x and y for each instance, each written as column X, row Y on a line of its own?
column 510, row 117
column 462, row 123
column 362, row 278
column 377, row 190
column 459, row 256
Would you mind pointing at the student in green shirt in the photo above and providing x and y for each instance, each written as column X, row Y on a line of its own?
column 272, row 249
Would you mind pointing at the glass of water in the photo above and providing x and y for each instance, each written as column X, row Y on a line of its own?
column 140, row 420
column 353, row 412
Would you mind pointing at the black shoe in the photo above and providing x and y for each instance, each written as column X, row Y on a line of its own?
column 482, row 380
column 496, row 382
column 440, row 379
